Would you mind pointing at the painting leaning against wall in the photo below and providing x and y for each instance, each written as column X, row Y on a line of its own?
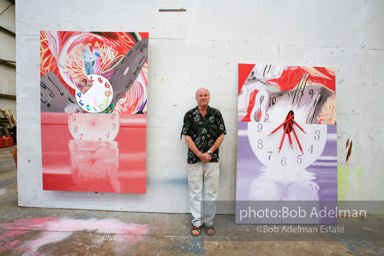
column 93, row 95
column 287, row 147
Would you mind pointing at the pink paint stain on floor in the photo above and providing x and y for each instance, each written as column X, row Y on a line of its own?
column 55, row 230
column 7, row 241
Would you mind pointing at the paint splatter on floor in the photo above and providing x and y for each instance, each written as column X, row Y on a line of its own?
column 53, row 230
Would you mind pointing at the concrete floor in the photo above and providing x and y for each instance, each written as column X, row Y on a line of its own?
column 37, row 231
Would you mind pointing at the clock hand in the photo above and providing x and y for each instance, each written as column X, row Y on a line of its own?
column 290, row 125
column 300, row 90
column 282, row 139
column 128, row 69
column 298, row 126
column 283, row 123
column 290, row 117
column 297, row 139
column 54, row 96
column 314, row 106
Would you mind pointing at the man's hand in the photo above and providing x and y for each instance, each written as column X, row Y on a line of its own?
column 205, row 157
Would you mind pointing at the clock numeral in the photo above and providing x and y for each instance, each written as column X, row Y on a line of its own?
column 100, row 80
column 260, row 144
column 283, row 161
column 261, row 100
column 113, row 115
column 310, row 149
column 272, row 101
column 45, row 102
column 311, row 93
column 259, row 127
column 290, row 93
column 46, row 88
column 81, row 136
column 79, row 95
column 61, row 93
column 104, row 104
column 80, row 87
column 81, row 102
column 270, row 154
column 73, row 117
column 88, row 108
column 113, row 126
column 315, row 105
column 299, row 92
column 299, row 160
column 75, row 129
column 108, row 93
column 107, row 85
column 317, row 135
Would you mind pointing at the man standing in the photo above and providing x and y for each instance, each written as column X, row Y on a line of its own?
column 204, row 132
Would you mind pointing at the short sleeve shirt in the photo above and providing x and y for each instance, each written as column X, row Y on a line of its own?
column 204, row 131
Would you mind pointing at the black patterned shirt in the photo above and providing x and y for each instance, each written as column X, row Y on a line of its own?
column 204, row 131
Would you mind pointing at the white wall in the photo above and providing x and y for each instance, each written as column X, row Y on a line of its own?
column 201, row 47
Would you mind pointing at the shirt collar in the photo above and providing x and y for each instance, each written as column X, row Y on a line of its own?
column 209, row 109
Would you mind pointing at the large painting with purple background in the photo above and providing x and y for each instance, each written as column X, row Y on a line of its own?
column 256, row 182
column 287, row 134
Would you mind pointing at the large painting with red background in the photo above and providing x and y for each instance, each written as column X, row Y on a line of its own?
column 93, row 96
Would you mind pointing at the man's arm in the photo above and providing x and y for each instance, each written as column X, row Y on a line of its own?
column 217, row 143
column 204, row 157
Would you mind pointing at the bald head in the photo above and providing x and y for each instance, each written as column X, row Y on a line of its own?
column 202, row 96
column 202, row 90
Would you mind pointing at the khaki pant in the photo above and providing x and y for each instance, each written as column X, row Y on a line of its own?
column 203, row 185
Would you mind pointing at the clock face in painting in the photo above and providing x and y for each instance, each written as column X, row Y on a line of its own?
column 273, row 94
column 69, row 60
column 307, row 101
column 293, row 153
column 97, row 97
column 103, row 127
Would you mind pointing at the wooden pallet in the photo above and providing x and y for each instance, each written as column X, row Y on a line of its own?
column 6, row 121
column 11, row 118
